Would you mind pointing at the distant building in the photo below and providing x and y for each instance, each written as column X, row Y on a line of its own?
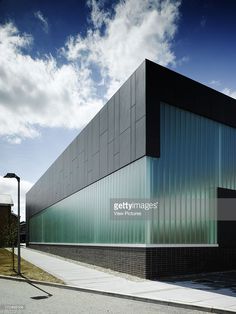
column 161, row 136
column 8, row 221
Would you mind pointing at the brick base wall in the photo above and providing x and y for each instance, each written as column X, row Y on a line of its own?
column 126, row 260
column 149, row 263
column 167, row 262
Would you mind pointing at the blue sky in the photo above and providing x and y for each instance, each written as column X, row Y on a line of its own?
column 60, row 62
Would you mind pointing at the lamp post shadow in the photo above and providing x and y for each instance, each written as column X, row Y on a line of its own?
column 47, row 294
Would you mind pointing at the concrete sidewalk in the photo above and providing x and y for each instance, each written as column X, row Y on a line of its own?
column 75, row 274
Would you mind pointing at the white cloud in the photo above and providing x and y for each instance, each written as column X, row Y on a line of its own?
column 215, row 83
column 229, row 92
column 98, row 16
column 38, row 92
column 137, row 30
column 43, row 21
column 13, row 139
column 181, row 61
column 9, row 186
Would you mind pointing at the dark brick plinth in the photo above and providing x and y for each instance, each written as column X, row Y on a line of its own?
column 127, row 260
column 167, row 262
column 149, row 263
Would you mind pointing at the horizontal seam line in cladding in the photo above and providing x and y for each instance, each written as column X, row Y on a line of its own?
column 127, row 244
column 89, row 184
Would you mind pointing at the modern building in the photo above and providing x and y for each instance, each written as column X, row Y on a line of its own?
column 8, row 221
column 163, row 137
column 22, row 232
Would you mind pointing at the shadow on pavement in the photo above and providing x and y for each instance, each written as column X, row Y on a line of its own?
column 47, row 294
column 222, row 282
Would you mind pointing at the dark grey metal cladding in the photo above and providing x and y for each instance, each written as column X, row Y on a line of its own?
column 103, row 117
column 103, row 154
column 140, row 91
column 114, row 138
column 125, row 105
column 111, row 119
column 125, row 147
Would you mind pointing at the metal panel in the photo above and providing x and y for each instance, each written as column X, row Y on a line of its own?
column 103, row 155
column 95, row 140
column 103, row 114
column 125, row 153
column 140, row 94
column 110, row 157
column 133, row 134
column 90, row 146
column 85, row 143
column 125, row 103
column 96, row 167
column 117, row 161
column 117, row 124
column 80, row 140
column 140, row 139
column 133, row 100
column 111, row 119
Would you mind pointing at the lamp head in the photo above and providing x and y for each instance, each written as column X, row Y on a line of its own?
column 11, row 175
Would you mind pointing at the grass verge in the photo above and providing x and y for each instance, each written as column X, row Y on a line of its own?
column 28, row 270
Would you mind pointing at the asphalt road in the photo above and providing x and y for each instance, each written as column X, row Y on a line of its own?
column 22, row 297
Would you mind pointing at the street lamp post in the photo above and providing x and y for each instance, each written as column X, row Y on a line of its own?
column 13, row 175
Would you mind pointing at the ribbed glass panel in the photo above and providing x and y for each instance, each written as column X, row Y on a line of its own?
column 84, row 217
column 228, row 158
column 197, row 156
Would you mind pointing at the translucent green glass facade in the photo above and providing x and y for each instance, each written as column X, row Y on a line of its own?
column 196, row 156
column 84, row 217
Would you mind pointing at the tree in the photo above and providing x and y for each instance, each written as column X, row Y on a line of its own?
column 10, row 236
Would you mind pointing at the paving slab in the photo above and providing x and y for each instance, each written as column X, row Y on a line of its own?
column 84, row 276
